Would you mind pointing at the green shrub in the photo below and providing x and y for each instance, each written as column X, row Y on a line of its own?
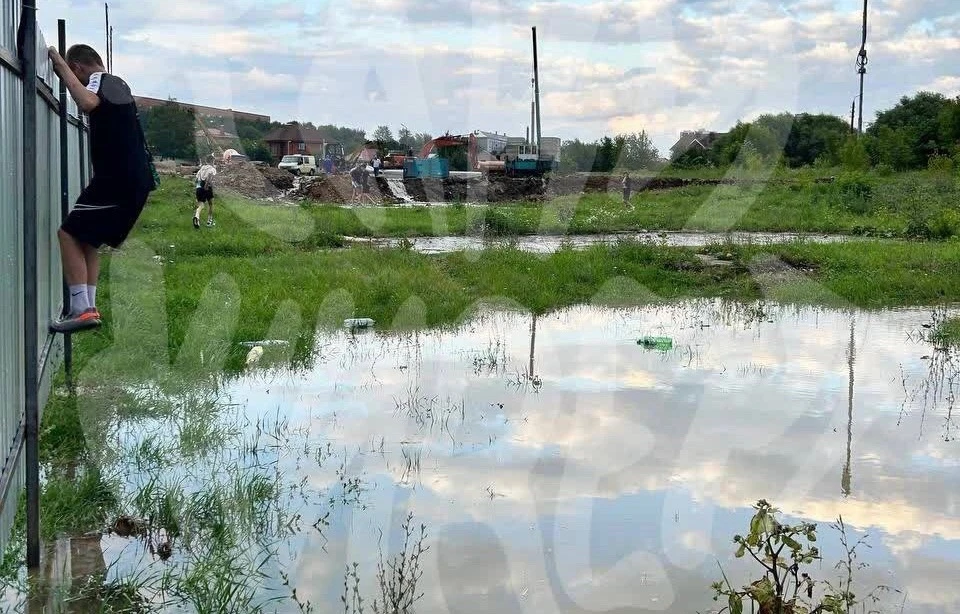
column 940, row 164
column 883, row 169
column 854, row 156
column 853, row 192
column 944, row 225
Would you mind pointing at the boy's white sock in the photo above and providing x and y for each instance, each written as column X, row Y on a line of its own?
column 78, row 299
column 92, row 296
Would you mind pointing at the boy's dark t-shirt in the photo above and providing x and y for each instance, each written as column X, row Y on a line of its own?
column 120, row 166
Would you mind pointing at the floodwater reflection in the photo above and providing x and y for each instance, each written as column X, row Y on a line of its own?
column 560, row 466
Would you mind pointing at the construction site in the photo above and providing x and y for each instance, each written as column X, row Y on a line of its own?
column 480, row 166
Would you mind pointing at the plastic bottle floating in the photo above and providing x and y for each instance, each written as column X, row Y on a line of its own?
column 656, row 343
column 354, row 323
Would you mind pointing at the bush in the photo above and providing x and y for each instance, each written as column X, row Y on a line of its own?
column 944, row 225
column 940, row 164
column 883, row 169
column 854, row 156
column 853, row 192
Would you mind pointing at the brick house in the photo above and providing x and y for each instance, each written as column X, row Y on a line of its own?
column 293, row 139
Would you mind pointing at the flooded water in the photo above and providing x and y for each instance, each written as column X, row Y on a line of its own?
column 548, row 244
column 555, row 464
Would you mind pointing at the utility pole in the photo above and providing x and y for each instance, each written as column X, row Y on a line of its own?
column 862, row 66
column 536, row 86
column 853, row 111
column 851, row 358
column 106, row 33
column 111, row 49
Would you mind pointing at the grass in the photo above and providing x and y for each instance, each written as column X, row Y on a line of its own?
column 177, row 301
column 947, row 332
column 920, row 204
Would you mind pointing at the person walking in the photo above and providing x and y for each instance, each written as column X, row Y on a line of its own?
column 627, row 184
column 356, row 177
column 123, row 177
column 377, row 162
column 204, row 191
column 365, row 187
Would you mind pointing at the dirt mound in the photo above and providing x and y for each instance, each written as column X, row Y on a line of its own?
column 324, row 189
column 245, row 179
column 281, row 179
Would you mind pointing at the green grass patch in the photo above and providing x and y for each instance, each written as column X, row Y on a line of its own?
column 916, row 205
column 947, row 332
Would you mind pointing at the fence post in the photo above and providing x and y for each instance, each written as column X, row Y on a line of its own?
column 31, row 344
column 64, row 196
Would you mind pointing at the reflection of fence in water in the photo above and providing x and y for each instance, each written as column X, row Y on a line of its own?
column 30, row 164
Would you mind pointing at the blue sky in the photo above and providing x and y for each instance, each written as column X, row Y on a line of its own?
column 607, row 66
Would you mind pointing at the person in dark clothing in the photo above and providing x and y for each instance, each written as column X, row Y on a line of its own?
column 356, row 177
column 110, row 205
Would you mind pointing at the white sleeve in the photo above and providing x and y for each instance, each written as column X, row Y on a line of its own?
column 94, row 83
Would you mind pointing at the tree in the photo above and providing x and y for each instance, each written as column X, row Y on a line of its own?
column 638, row 151
column 170, row 131
column 383, row 133
column 576, row 155
column 256, row 149
column 895, row 147
column 950, row 125
column 815, row 137
column 914, row 123
column 405, row 137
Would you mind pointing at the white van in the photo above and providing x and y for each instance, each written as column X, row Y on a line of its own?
column 299, row 165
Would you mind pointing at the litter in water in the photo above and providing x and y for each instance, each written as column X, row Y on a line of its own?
column 358, row 322
column 264, row 343
column 656, row 343
column 254, row 354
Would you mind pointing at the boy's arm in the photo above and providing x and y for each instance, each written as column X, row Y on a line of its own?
column 86, row 100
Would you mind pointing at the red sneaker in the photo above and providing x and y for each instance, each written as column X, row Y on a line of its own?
column 82, row 321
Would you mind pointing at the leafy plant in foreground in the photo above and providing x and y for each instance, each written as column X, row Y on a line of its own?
column 784, row 551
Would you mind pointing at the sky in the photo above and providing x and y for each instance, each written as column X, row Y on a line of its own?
column 606, row 66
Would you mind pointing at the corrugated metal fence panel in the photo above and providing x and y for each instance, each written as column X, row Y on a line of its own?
column 48, row 272
column 44, row 65
column 73, row 146
column 9, row 19
column 11, row 279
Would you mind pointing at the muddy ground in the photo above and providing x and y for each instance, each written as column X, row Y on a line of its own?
column 261, row 182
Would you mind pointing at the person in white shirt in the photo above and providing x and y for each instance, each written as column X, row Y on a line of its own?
column 376, row 165
column 204, row 185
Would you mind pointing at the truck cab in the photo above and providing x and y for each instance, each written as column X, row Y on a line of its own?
column 299, row 164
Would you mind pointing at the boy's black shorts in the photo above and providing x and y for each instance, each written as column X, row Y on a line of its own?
column 103, row 216
column 204, row 195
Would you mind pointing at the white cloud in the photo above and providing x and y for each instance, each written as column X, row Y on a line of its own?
column 603, row 62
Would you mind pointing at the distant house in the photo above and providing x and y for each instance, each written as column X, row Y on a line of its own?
column 294, row 138
column 221, row 137
column 490, row 144
column 145, row 102
column 693, row 139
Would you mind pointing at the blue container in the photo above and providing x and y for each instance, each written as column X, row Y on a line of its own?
column 435, row 168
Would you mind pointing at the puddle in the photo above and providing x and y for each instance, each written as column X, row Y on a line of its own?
column 555, row 464
column 548, row 244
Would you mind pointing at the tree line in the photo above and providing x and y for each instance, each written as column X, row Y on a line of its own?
column 915, row 131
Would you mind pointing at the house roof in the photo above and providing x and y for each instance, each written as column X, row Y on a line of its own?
column 689, row 139
column 295, row 133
